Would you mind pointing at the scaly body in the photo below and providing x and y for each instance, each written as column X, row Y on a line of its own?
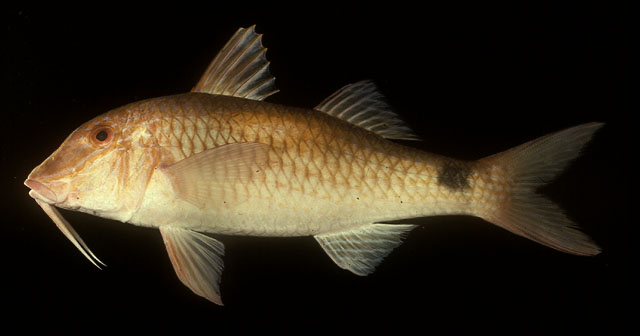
column 322, row 173
column 219, row 160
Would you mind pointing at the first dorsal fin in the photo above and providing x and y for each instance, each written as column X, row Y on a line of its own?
column 362, row 105
column 240, row 69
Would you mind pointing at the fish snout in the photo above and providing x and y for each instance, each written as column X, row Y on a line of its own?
column 45, row 192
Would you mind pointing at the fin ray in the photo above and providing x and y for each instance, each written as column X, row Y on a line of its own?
column 530, row 166
column 361, row 250
column 205, row 177
column 362, row 105
column 240, row 69
column 196, row 259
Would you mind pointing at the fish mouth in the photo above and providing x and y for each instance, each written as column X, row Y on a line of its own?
column 46, row 198
column 41, row 192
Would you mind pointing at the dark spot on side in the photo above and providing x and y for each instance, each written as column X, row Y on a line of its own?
column 454, row 175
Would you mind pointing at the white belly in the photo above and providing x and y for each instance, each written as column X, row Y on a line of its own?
column 265, row 211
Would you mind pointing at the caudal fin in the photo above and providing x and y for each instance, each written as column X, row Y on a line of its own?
column 524, row 169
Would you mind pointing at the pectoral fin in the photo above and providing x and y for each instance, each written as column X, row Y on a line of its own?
column 214, row 173
column 360, row 250
column 197, row 260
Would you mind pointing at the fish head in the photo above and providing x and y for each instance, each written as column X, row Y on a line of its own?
column 101, row 168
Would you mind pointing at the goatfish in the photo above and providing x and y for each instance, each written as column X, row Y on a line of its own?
column 220, row 160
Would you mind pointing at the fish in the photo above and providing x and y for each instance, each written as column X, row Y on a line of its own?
column 219, row 160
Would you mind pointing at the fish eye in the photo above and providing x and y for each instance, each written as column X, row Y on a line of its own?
column 102, row 135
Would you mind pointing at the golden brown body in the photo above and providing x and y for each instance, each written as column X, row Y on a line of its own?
column 329, row 174
column 220, row 160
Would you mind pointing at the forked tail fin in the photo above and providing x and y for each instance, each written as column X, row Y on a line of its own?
column 519, row 172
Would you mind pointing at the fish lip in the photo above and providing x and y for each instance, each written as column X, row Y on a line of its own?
column 41, row 192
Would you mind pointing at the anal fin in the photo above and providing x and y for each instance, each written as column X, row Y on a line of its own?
column 197, row 260
column 360, row 250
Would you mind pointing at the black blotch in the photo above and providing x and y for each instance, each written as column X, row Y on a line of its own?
column 454, row 175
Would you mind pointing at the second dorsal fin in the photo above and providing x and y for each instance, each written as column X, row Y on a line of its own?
column 362, row 105
column 240, row 69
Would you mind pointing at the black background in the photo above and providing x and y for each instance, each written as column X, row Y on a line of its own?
column 471, row 80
